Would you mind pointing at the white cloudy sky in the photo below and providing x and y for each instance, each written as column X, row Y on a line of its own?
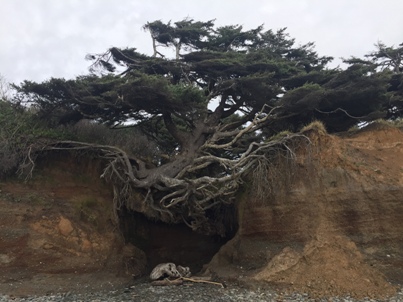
column 50, row 38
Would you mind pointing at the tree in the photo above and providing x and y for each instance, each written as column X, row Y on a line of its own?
column 211, row 109
column 5, row 88
column 386, row 62
column 388, row 57
column 185, row 33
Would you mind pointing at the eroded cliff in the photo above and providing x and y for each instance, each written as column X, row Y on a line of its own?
column 330, row 224
column 336, row 229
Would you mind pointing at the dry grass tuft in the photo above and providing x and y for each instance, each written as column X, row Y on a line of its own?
column 316, row 126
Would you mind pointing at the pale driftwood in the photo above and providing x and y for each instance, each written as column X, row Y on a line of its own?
column 165, row 270
column 179, row 281
column 205, row 278
column 184, row 271
column 197, row 280
column 167, row 282
column 169, row 270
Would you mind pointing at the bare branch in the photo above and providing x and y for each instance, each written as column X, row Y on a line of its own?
column 258, row 120
column 189, row 190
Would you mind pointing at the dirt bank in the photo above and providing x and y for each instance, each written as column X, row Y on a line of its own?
column 336, row 227
column 332, row 227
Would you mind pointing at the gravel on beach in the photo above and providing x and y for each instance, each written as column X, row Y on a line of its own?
column 188, row 293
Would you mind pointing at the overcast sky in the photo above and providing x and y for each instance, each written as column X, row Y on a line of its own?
column 50, row 38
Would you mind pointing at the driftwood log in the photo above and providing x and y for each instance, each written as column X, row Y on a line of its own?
column 180, row 281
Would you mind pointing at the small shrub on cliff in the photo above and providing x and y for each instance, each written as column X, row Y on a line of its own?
column 12, row 123
column 19, row 130
column 398, row 123
column 90, row 132
column 317, row 126
column 378, row 124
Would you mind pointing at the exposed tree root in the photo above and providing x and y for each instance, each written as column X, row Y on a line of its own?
column 187, row 193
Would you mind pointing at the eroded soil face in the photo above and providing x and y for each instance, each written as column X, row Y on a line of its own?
column 175, row 243
column 336, row 229
column 56, row 233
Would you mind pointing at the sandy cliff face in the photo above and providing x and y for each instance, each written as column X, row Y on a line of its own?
column 332, row 224
column 56, row 232
column 335, row 229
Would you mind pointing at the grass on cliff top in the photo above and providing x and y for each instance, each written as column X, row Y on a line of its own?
column 378, row 124
column 317, row 126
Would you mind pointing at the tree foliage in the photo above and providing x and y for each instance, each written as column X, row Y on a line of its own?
column 211, row 109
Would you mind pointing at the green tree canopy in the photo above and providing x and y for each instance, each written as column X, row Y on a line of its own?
column 211, row 109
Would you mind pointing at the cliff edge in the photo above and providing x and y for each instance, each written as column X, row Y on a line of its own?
column 332, row 227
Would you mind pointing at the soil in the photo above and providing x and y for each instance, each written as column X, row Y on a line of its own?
column 334, row 229
column 57, row 232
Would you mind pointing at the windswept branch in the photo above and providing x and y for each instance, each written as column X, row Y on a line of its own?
column 258, row 120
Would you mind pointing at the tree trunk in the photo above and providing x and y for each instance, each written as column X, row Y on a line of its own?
column 177, row 50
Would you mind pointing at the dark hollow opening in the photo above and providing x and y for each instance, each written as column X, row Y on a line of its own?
column 175, row 243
